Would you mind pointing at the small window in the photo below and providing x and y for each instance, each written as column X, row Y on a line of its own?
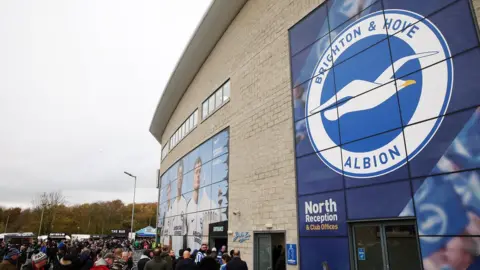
column 205, row 109
column 211, row 104
column 184, row 127
column 195, row 118
column 226, row 91
column 190, row 123
column 218, row 98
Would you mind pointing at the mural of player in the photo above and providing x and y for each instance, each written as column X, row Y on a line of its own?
column 178, row 212
column 166, row 219
column 197, row 206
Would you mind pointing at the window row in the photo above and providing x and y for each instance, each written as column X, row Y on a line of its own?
column 181, row 132
column 212, row 103
column 216, row 100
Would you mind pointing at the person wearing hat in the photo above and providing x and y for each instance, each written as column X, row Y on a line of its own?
column 10, row 259
column 37, row 262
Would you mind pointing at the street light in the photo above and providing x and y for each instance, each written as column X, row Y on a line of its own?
column 133, row 205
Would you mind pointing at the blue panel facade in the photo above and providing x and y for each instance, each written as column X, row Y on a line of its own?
column 387, row 126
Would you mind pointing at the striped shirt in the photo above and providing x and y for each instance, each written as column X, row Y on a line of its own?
column 199, row 257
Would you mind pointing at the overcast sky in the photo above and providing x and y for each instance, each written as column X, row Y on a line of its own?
column 79, row 82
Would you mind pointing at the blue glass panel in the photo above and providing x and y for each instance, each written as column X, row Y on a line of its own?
column 324, row 253
column 219, row 194
column 305, row 63
column 220, row 169
column 344, row 13
column 363, row 69
column 465, row 92
column 358, row 38
column 187, row 182
column 454, row 146
column 429, row 36
column 426, row 8
column 299, row 95
column 376, row 156
column 313, row 175
column 308, row 30
column 379, row 201
column 356, row 114
column 220, row 144
column 303, row 143
column 322, row 214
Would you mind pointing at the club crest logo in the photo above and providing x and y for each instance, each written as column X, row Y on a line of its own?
column 368, row 84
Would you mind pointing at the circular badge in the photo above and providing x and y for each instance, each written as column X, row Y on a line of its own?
column 360, row 115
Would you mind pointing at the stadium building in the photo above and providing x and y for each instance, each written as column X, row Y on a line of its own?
column 346, row 132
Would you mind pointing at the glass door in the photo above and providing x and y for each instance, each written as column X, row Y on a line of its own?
column 263, row 255
column 386, row 246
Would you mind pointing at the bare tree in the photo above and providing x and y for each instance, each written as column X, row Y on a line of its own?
column 48, row 203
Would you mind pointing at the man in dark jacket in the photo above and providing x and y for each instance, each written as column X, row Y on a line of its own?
column 165, row 255
column 143, row 259
column 157, row 263
column 186, row 263
column 236, row 263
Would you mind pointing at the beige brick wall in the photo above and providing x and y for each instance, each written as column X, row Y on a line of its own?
column 253, row 53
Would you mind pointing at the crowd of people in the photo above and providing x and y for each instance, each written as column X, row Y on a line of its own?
column 203, row 259
column 114, row 255
column 68, row 255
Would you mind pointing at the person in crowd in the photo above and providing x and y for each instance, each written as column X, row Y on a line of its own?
column 43, row 248
column 10, row 259
column 174, row 259
column 3, row 249
column 180, row 255
column 118, row 262
column 23, row 257
column 127, row 257
column 65, row 263
column 225, row 259
column 214, row 253
column 109, row 259
column 209, row 262
column 220, row 254
column 158, row 262
column 85, row 261
column 186, row 263
column 144, row 259
column 281, row 263
column 236, row 263
column 201, row 254
column 38, row 261
column 165, row 254
column 193, row 255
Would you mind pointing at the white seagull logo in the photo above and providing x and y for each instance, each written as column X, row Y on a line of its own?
column 357, row 87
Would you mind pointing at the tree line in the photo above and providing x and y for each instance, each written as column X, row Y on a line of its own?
column 50, row 213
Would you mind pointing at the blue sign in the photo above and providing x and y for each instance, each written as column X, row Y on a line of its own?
column 361, row 254
column 292, row 254
column 241, row 237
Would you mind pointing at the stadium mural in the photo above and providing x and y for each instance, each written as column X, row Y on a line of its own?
column 194, row 194
column 387, row 126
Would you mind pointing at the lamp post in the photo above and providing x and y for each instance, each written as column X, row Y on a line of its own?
column 133, row 205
